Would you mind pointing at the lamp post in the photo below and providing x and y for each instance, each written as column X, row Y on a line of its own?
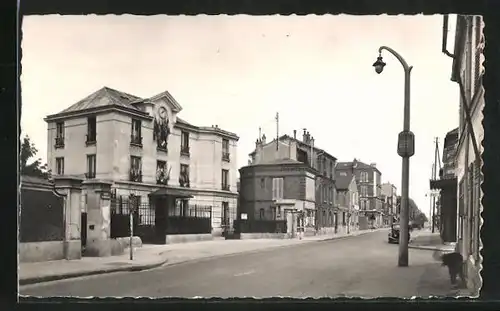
column 406, row 148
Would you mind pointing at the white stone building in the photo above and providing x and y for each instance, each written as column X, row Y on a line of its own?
column 141, row 145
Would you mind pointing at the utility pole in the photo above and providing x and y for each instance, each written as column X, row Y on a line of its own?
column 277, row 131
column 434, row 176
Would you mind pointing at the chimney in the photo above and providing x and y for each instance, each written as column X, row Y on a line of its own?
column 374, row 165
column 263, row 139
column 304, row 137
column 294, row 134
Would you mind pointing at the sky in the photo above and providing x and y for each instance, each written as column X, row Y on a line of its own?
column 238, row 71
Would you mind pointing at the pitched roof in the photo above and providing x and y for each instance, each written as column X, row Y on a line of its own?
column 342, row 182
column 299, row 142
column 104, row 97
column 360, row 166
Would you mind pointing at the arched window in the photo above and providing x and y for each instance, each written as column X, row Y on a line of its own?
column 261, row 213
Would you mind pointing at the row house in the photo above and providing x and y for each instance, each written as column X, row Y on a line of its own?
column 389, row 194
column 321, row 162
column 140, row 145
column 369, row 181
column 467, row 71
column 447, row 187
column 278, row 189
column 348, row 202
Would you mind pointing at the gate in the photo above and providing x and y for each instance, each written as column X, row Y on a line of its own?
column 83, row 231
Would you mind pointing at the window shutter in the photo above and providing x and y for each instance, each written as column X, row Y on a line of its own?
column 282, row 188
column 274, row 188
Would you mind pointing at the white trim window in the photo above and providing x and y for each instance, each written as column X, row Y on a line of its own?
column 278, row 188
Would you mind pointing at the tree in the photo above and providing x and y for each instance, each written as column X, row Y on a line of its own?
column 35, row 168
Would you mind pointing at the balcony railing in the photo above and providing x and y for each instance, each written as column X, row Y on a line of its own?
column 225, row 156
column 185, row 151
column 136, row 140
column 59, row 142
column 225, row 187
column 183, row 182
column 90, row 175
column 135, row 175
column 90, row 139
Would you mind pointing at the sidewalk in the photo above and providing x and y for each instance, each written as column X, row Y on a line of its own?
column 152, row 256
column 426, row 240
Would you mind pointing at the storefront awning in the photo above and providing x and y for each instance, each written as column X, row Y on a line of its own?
column 170, row 192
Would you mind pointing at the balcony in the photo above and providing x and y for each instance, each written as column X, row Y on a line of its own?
column 90, row 139
column 162, row 146
column 135, row 175
column 136, row 140
column 90, row 175
column 225, row 187
column 225, row 156
column 59, row 142
column 185, row 151
column 183, row 182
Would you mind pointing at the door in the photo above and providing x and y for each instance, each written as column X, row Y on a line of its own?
column 83, row 231
column 225, row 219
column 160, row 220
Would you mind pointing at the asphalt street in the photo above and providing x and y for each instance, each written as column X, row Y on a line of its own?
column 362, row 266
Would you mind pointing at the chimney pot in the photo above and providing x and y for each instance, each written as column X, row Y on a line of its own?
column 294, row 134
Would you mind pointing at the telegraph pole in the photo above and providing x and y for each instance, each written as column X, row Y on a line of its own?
column 434, row 176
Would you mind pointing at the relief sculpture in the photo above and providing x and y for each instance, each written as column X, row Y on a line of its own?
column 161, row 128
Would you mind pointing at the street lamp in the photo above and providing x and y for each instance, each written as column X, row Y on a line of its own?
column 406, row 148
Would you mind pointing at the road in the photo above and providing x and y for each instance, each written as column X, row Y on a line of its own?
column 363, row 266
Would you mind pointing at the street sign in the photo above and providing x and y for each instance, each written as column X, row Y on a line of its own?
column 406, row 144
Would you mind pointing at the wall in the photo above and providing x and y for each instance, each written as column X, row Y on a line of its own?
column 41, row 251
column 256, row 187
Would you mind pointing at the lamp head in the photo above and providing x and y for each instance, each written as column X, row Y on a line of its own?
column 379, row 65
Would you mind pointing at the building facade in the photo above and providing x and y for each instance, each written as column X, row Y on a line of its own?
column 467, row 71
column 348, row 201
column 369, row 181
column 447, row 187
column 141, row 145
column 389, row 194
column 320, row 161
column 277, row 190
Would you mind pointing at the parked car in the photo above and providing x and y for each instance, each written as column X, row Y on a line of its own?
column 394, row 234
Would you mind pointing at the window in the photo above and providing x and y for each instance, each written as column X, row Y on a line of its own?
column 60, row 129
column 225, row 180
column 185, row 143
column 225, row 214
column 91, row 166
column 363, row 191
column 225, row 149
column 343, row 219
column 135, row 137
column 161, row 172
column 135, row 169
column 364, row 177
column 331, row 170
column 91, row 130
column 261, row 213
column 60, row 166
column 277, row 188
column 262, row 183
column 184, row 176
column 59, row 140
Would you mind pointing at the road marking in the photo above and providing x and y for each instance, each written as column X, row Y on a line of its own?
column 245, row 273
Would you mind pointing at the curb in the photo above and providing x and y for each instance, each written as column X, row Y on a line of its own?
column 427, row 248
column 163, row 262
column 49, row 278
